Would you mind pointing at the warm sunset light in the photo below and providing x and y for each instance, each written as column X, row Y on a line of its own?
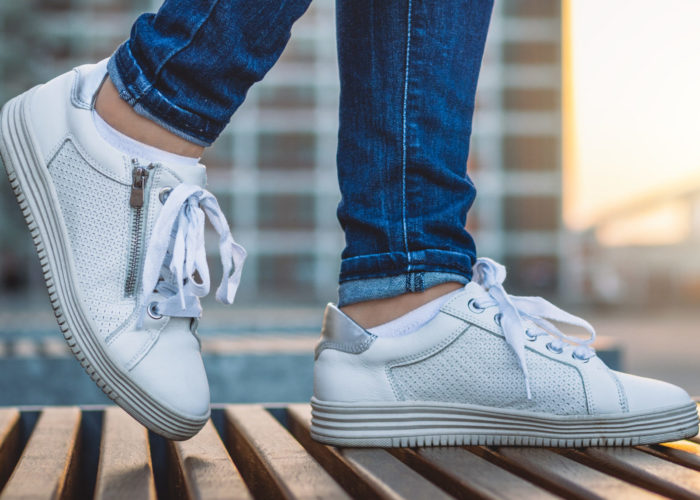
column 632, row 114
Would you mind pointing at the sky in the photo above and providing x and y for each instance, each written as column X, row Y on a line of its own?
column 636, row 103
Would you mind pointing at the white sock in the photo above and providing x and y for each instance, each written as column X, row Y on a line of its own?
column 143, row 152
column 131, row 147
column 412, row 321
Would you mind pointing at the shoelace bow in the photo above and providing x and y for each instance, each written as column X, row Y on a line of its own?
column 180, row 225
column 515, row 310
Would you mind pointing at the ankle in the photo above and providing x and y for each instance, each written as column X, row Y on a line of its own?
column 372, row 313
column 119, row 115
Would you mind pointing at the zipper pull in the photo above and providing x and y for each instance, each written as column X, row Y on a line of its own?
column 139, row 176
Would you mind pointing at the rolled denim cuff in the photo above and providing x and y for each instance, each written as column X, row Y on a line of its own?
column 137, row 90
column 361, row 290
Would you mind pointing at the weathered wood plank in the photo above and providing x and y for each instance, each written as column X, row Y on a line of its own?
column 681, row 452
column 125, row 469
column 203, row 469
column 464, row 474
column 642, row 469
column 9, row 442
column 272, row 462
column 48, row 465
column 545, row 465
column 696, row 438
column 365, row 473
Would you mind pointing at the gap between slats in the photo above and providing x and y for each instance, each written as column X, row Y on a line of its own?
column 10, row 443
column 49, row 464
column 201, row 468
column 272, row 462
column 364, row 473
column 125, row 469
column 626, row 464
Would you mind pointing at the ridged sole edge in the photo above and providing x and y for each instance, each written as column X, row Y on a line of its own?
column 434, row 424
column 19, row 159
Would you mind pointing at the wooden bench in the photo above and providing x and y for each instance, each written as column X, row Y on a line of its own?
column 254, row 451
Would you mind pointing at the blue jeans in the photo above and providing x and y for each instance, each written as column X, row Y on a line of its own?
column 408, row 75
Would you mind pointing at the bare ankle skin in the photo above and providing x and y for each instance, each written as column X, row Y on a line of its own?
column 377, row 312
column 119, row 115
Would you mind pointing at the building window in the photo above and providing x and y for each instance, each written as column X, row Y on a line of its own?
column 286, row 151
column 531, row 52
column 531, row 99
column 531, row 213
column 531, row 153
column 285, row 211
column 287, row 276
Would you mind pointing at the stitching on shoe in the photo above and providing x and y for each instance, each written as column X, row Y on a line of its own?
column 146, row 347
column 356, row 348
column 75, row 94
column 470, row 318
column 53, row 152
column 414, row 358
column 622, row 396
column 590, row 404
column 126, row 180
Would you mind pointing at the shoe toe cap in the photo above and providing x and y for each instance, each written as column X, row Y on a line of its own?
column 648, row 394
column 173, row 373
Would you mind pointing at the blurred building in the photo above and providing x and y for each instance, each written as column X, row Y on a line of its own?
column 273, row 169
column 634, row 267
column 516, row 155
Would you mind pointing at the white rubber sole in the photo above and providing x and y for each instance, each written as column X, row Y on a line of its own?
column 410, row 423
column 36, row 196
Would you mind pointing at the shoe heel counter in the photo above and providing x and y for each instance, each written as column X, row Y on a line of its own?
column 343, row 371
column 49, row 100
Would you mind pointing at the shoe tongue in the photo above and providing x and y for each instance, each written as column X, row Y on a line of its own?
column 475, row 289
column 190, row 174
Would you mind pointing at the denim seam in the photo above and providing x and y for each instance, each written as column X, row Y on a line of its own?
column 135, row 95
column 176, row 51
column 453, row 270
column 388, row 253
column 403, row 139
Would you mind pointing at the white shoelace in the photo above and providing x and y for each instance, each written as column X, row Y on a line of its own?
column 181, row 223
column 514, row 310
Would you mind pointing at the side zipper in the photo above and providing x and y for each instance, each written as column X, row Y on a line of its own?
column 137, row 198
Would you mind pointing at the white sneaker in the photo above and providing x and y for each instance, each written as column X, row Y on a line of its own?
column 464, row 379
column 119, row 244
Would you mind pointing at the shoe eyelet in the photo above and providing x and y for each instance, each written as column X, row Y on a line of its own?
column 551, row 348
column 474, row 306
column 530, row 336
column 497, row 318
column 163, row 195
column 153, row 310
column 583, row 360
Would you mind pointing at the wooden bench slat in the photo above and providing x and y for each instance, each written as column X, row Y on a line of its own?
column 48, row 465
column 364, row 472
column 696, row 438
column 204, row 469
column 642, row 469
column 272, row 462
column 681, row 452
column 547, row 465
column 125, row 469
column 463, row 473
column 9, row 442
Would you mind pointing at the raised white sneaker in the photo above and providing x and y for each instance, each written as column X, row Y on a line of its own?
column 119, row 244
column 464, row 379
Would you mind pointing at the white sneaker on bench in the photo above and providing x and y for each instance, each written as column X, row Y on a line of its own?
column 488, row 369
column 120, row 244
